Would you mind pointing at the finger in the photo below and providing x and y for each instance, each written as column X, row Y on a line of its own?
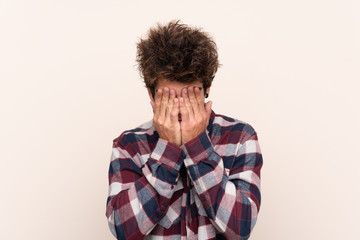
column 208, row 106
column 183, row 111
column 170, row 104
column 187, row 104
column 164, row 103
column 175, row 111
column 200, row 99
column 152, row 105
column 158, row 97
column 193, row 100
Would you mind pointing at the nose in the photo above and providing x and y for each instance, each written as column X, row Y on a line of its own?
column 178, row 93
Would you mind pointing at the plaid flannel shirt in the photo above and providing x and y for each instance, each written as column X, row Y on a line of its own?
column 208, row 188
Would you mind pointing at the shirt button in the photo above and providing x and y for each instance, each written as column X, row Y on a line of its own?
column 172, row 187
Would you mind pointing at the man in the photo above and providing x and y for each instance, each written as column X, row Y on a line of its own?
column 188, row 173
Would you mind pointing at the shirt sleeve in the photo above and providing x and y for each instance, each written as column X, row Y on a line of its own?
column 231, row 201
column 139, row 194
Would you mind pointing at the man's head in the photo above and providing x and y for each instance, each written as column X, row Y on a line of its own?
column 176, row 55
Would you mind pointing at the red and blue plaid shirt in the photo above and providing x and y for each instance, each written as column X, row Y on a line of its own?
column 208, row 188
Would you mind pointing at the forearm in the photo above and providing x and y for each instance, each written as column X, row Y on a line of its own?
column 134, row 212
column 139, row 195
column 228, row 201
column 163, row 166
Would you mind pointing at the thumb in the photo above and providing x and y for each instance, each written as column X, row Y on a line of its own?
column 174, row 115
column 208, row 106
column 152, row 105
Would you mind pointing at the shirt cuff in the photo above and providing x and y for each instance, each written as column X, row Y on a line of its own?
column 167, row 153
column 197, row 149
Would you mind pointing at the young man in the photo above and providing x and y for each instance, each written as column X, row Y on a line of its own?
column 188, row 173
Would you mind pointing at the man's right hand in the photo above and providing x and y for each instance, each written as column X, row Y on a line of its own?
column 166, row 110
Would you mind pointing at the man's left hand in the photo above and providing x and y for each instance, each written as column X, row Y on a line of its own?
column 194, row 115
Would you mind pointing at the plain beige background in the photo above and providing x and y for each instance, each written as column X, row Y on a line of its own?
column 69, row 86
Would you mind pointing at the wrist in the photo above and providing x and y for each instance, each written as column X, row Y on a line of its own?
column 187, row 139
column 172, row 141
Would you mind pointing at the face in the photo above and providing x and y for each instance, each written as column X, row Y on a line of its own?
column 177, row 86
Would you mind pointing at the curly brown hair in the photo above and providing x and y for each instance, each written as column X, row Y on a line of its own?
column 177, row 52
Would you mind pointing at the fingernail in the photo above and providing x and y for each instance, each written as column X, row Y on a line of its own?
column 199, row 89
column 176, row 100
column 185, row 91
column 181, row 100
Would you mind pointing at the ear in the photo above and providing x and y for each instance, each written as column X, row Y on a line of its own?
column 150, row 95
column 207, row 91
column 152, row 102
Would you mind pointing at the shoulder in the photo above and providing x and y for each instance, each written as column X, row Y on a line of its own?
column 235, row 130
column 140, row 133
